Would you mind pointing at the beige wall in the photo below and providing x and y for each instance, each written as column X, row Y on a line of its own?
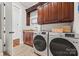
column 49, row 27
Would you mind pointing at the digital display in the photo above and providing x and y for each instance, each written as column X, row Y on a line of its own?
column 69, row 35
column 43, row 32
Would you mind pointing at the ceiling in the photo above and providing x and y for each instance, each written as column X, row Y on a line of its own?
column 28, row 4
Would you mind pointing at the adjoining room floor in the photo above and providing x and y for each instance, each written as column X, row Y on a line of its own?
column 1, row 53
column 5, row 54
column 23, row 50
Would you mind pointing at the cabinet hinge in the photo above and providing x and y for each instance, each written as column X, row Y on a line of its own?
column 4, row 31
column 4, row 45
column 4, row 17
column 4, row 4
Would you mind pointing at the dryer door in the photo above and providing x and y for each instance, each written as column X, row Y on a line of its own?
column 62, row 47
column 39, row 43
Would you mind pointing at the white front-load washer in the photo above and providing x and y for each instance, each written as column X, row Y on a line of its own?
column 40, row 40
column 63, row 44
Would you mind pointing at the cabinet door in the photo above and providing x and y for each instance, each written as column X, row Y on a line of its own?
column 28, row 38
column 67, row 11
column 50, row 11
column 40, row 15
column 31, row 38
column 71, row 11
column 46, row 19
column 24, row 37
column 28, row 19
column 55, row 12
column 59, row 11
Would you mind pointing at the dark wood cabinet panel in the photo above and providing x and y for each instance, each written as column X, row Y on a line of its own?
column 71, row 11
column 53, row 13
column 45, row 9
column 24, row 37
column 59, row 11
column 28, row 19
column 56, row 12
column 40, row 15
column 67, row 12
column 28, row 38
column 50, row 11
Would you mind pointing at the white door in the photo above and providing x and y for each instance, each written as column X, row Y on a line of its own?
column 16, row 22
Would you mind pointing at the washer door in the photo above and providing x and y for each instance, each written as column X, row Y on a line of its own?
column 62, row 47
column 39, row 43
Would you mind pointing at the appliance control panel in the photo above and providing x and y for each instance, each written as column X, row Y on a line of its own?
column 76, row 36
column 70, row 35
column 43, row 33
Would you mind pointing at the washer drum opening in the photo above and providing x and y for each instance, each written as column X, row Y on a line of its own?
column 62, row 47
column 39, row 43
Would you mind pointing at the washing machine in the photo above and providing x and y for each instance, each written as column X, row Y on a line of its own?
column 63, row 44
column 40, row 40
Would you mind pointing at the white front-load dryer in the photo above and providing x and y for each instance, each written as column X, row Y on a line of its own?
column 40, row 40
column 63, row 44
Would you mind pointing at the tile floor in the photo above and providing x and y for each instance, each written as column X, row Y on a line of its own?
column 23, row 50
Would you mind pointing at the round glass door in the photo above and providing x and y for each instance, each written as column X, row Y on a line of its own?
column 39, row 43
column 62, row 47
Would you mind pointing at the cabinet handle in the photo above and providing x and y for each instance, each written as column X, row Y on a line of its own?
column 11, row 32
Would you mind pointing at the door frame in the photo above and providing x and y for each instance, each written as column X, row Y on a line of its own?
column 2, row 25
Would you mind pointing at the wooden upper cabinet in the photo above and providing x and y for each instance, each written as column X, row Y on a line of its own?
column 56, row 12
column 59, row 11
column 43, row 14
column 71, row 7
column 46, row 16
column 50, row 13
column 53, row 13
column 67, row 11
column 40, row 15
column 28, row 19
